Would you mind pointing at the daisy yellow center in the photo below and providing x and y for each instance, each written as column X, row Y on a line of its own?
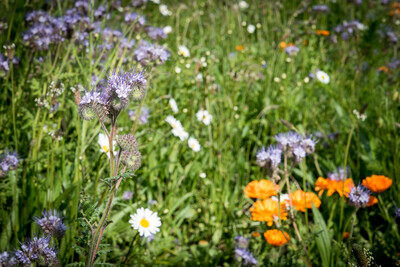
column 105, row 148
column 204, row 117
column 323, row 77
column 144, row 223
column 192, row 145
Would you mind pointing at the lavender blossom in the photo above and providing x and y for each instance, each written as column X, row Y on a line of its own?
column 359, row 196
column 51, row 223
column 245, row 256
column 269, row 158
column 7, row 260
column 340, row 175
column 308, row 144
column 299, row 153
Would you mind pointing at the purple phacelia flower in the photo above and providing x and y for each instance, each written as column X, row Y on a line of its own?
column 320, row 8
column 308, row 144
column 245, row 256
column 292, row 50
column 299, row 153
column 147, row 53
column 143, row 117
column 241, row 242
column 359, row 196
column 156, row 33
column 127, row 195
column 9, row 161
column 132, row 17
column 51, row 223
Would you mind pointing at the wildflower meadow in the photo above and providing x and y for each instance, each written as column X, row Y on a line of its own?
column 199, row 133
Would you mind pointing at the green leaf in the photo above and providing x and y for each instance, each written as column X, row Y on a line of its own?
column 322, row 237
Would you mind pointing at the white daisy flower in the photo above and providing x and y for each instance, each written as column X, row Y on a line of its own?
column 105, row 144
column 167, row 29
column 164, row 10
column 173, row 122
column 180, row 132
column 178, row 70
column 194, row 144
column 203, row 175
column 243, row 5
column 146, row 222
column 322, row 77
column 173, row 105
column 251, row 28
column 204, row 116
column 184, row 51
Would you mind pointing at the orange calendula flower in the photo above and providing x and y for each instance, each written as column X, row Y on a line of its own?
column 334, row 186
column 322, row 32
column 372, row 201
column 255, row 234
column 239, row 48
column 346, row 235
column 276, row 237
column 384, row 69
column 262, row 189
column 266, row 210
column 377, row 183
column 302, row 200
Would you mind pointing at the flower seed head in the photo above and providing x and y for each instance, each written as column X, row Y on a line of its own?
column 127, row 142
column 131, row 160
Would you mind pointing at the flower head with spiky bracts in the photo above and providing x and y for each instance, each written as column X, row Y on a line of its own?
column 269, row 158
column 51, row 223
column 127, row 142
column 308, row 144
column 359, row 196
column 131, row 160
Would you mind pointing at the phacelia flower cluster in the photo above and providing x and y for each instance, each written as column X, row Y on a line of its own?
column 291, row 144
column 242, row 254
column 147, row 53
column 348, row 28
column 359, row 196
column 9, row 161
column 113, row 95
column 51, row 223
column 34, row 251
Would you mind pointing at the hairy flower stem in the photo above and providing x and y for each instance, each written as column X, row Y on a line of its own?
column 96, row 238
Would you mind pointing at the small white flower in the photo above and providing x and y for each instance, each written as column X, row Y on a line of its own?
column 306, row 79
column 173, row 122
column 243, row 5
column 105, row 145
column 277, row 80
column 204, row 116
column 251, row 28
column 203, row 175
column 157, row 2
column 178, row 70
column 322, row 77
column 173, row 105
column 164, row 10
column 199, row 77
column 180, row 132
column 184, row 51
column 167, row 29
column 146, row 222
column 194, row 144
